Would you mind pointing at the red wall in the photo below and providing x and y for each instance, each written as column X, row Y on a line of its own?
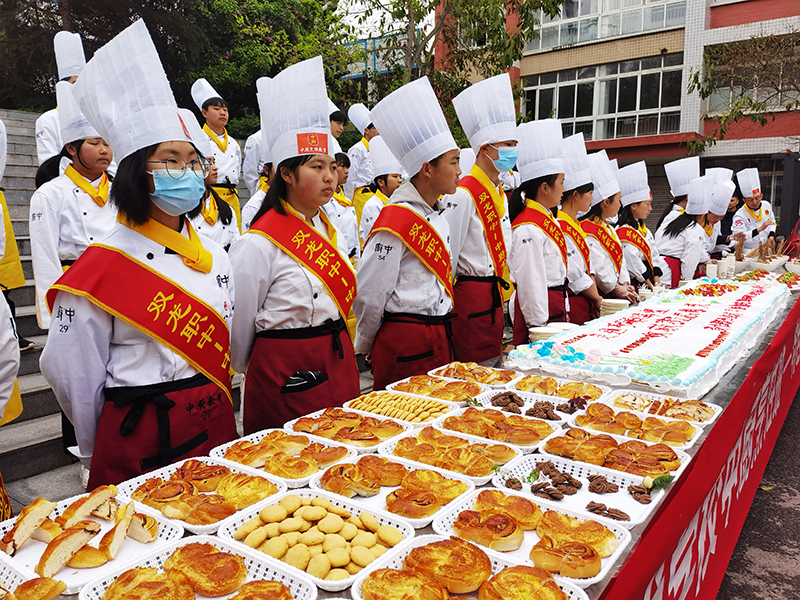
column 785, row 124
column 740, row 13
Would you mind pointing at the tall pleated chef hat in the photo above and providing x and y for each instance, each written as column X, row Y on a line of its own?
column 297, row 120
column 332, row 108
column 360, row 117
column 124, row 93
column 614, row 164
column 681, row 173
column 749, row 182
column 576, row 164
column 200, row 140
column 263, row 108
column 3, row 149
column 603, row 176
column 466, row 158
column 633, row 183
column 202, row 91
column 69, row 54
column 383, row 161
column 541, row 149
column 700, row 190
column 486, row 111
column 721, row 195
column 74, row 125
column 720, row 173
column 412, row 124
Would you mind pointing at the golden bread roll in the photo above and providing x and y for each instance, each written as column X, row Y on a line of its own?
column 147, row 584
column 324, row 455
column 347, row 480
column 247, row 453
column 87, row 557
column 290, row 467
column 64, row 547
column 203, row 476
column 394, row 584
column 40, row 588
column 521, row 583
column 114, row 537
column 107, row 510
column 242, row 490
column 412, row 504
column 28, row 520
column 424, row 480
column 202, row 509
column 263, row 590
column 46, row 531
column 207, row 570
column 381, row 470
column 523, row 511
column 562, row 528
column 85, row 505
column 157, row 493
column 459, row 566
column 466, row 461
column 496, row 531
column 570, row 559
column 143, row 528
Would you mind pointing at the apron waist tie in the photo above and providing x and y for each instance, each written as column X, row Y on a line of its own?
column 497, row 299
column 329, row 327
column 445, row 320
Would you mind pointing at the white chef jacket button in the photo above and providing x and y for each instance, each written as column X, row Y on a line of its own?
column 150, row 256
column 315, row 295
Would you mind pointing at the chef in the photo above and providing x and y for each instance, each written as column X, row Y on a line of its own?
column 361, row 173
column 680, row 173
column 755, row 219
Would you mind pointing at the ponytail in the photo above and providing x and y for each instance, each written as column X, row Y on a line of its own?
column 529, row 189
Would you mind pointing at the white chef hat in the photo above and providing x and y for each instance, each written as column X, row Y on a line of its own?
column 603, row 176
column 721, row 195
column 540, row 149
column 700, row 189
column 633, row 183
column 486, row 111
column 201, row 141
column 3, row 149
column 383, row 161
column 720, row 173
column 749, row 182
column 576, row 163
column 202, row 91
column 332, row 108
column 412, row 124
column 614, row 164
column 297, row 122
column 466, row 158
column 69, row 54
column 124, row 93
column 360, row 117
column 263, row 107
column 74, row 125
column 681, row 173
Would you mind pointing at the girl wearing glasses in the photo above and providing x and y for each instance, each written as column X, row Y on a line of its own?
column 139, row 351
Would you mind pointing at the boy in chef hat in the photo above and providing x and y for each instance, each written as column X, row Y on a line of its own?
column 721, row 197
column 338, row 120
column 756, row 219
column 360, row 166
column 405, row 298
column 680, row 174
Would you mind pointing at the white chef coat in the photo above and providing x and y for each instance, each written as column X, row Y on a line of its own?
column 360, row 172
column 391, row 278
column 89, row 350
column 606, row 275
column 222, row 234
column 468, row 243
column 672, row 215
column 345, row 224
column 64, row 220
column 688, row 246
column 48, row 135
column 253, row 165
column 510, row 180
column 635, row 260
column 577, row 272
column 369, row 214
column 745, row 221
column 229, row 163
column 9, row 346
column 535, row 264
column 252, row 207
column 274, row 291
column 335, row 146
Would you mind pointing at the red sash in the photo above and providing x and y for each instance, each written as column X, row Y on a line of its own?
column 420, row 237
column 637, row 240
column 487, row 211
column 544, row 221
column 607, row 241
column 577, row 237
column 312, row 250
column 158, row 307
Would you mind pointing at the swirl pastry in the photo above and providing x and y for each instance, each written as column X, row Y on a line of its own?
column 425, row 480
column 381, row 470
column 157, row 493
column 263, row 590
column 563, row 528
column 570, row 559
column 242, row 490
column 412, row 504
column 207, row 570
column 496, row 531
column 537, row 385
column 395, row 584
column 523, row 511
column 456, row 564
column 204, row 477
column 521, row 583
column 147, row 584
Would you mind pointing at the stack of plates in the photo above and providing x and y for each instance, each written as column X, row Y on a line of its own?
column 609, row 307
column 563, row 326
column 538, row 334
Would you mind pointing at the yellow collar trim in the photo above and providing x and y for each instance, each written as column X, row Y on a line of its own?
column 263, row 185
column 365, row 142
column 221, row 144
column 342, row 199
column 643, row 229
column 565, row 217
column 211, row 213
column 191, row 248
column 99, row 195
column 758, row 216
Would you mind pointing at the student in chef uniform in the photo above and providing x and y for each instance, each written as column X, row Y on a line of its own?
column 337, row 121
column 642, row 260
column 361, row 173
column 295, row 285
column 755, row 219
column 405, row 278
column 252, row 167
column 721, row 196
column 723, row 243
column 138, row 355
column 480, row 228
column 682, row 242
column 538, row 254
column 227, row 153
column 608, row 260
column 265, row 178
column 680, row 173
column 387, row 180
column 584, row 299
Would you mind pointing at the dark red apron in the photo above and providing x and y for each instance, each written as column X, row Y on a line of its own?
column 409, row 344
column 321, row 365
column 478, row 324
column 675, row 267
column 579, row 308
column 556, row 308
column 150, row 426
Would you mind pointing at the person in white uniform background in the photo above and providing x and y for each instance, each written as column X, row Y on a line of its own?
column 680, row 174
column 361, row 173
column 387, row 180
column 266, row 173
column 252, row 167
column 725, row 238
column 755, row 219
column 337, row 120
column 721, row 195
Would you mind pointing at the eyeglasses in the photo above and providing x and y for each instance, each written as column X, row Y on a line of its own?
column 176, row 166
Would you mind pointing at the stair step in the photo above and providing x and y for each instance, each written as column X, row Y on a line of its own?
column 55, row 485
column 21, row 227
column 22, row 158
column 14, row 127
column 27, row 326
column 19, row 139
column 18, row 197
column 27, row 266
column 26, row 147
column 38, row 400
column 25, row 295
column 23, row 244
column 19, row 115
column 19, row 183
column 32, row 447
column 29, row 360
column 13, row 172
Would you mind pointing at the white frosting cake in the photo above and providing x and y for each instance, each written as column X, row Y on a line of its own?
column 681, row 342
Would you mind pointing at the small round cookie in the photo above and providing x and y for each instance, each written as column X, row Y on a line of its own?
column 333, row 540
column 322, row 502
column 361, row 556
column 305, row 501
column 314, row 513
column 248, row 528
column 339, row 557
column 369, row 521
column 312, row 538
column 305, row 526
column 319, row 566
column 349, row 531
column 256, row 538
column 275, row 547
column 331, row 524
column 355, row 521
column 290, row 524
column 293, row 537
column 337, row 575
column 298, row 556
column 316, row 549
column 291, row 503
column 352, row 568
column 364, row 538
column 273, row 530
column 378, row 550
column 273, row 514
column 339, row 510
column 391, row 536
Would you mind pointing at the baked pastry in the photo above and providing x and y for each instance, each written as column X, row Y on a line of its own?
column 466, row 461
column 396, row 405
column 87, row 557
column 147, row 584
column 456, row 391
column 205, row 478
column 537, row 384
column 495, row 425
column 424, row 480
column 207, row 570
column 324, row 455
column 64, row 546
column 114, row 537
column 576, row 389
column 570, row 559
column 381, row 470
column 28, row 520
column 46, row 531
column 471, row 371
column 156, row 493
column 40, row 588
column 263, row 590
column 85, row 505
column 290, row 467
column 395, row 584
column 242, row 490
column 107, row 510
column 347, row 480
column 562, row 528
column 457, row 565
column 523, row 511
column 497, row 531
column 412, row 504
column 143, row 528
column 199, row 510
column 521, row 583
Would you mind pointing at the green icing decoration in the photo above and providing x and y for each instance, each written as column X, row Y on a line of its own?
column 658, row 365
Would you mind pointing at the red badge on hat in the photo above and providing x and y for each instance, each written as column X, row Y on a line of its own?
column 185, row 130
column 312, row 143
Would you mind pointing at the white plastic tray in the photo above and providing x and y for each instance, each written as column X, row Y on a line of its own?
column 126, row 488
column 685, row 458
column 387, row 449
column 12, row 574
column 31, row 551
column 609, row 399
column 391, row 387
column 499, row 562
column 530, row 399
column 439, row 424
column 698, row 431
column 259, row 566
column 378, row 501
column 231, row 524
column 443, row 525
column 561, row 381
column 358, row 449
column 622, row 499
column 451, row 406
column 219, row 452
column 496, row 386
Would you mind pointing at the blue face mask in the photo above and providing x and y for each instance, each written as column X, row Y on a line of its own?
column 506, row 159
column 176, row 196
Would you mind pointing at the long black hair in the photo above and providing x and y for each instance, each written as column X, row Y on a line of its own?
column 51, row 168
column 681, row 222
column 374, row 187
column 669, row 208
column 277, row 191
column 224, row 209
column 529, row 188
column 595, row 212
column 626, row 217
